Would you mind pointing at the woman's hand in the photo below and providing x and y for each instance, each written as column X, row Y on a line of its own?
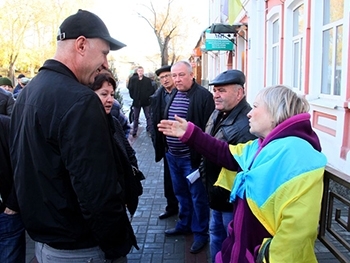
column 175, row 128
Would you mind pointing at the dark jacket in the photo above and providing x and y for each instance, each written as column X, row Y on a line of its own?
column 199, row 110
column 123, row 143
column 17, row 90
column 158, row 105
column 6, row 102
column 132, row 184
column 67, row 170
column 233, row 129
column 140, row 90
column 117, row 112
column 6, row 175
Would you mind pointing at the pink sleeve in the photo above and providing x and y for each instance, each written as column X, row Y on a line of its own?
column 190, row 127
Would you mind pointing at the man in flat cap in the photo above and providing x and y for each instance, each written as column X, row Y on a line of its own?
column 159, row 100
column 67, row 168
column 228, row 122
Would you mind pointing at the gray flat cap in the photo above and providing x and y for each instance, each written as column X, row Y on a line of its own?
column 231, row 76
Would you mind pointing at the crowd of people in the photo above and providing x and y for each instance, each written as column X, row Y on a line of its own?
column 233, row 173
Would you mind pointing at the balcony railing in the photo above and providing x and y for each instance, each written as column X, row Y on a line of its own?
column 334, row 231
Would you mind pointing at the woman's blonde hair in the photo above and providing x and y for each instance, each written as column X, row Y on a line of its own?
column 283, row 103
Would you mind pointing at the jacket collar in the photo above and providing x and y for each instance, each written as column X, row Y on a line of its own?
column 55, row 65
column 232, row 115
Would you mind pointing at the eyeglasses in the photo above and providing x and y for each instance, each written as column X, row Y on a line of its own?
column 165, row 76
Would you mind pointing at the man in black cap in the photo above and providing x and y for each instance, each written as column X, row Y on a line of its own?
column 159, row 100
column 228, row 122
column 67, row 170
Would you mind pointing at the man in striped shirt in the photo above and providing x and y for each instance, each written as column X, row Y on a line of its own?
column 194, row 103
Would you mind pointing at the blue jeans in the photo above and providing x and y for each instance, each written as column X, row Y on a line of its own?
column 218, row 230
column 12, row 239
column 47, row 254
column 194, row 204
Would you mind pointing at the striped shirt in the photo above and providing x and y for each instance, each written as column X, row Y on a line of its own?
column 179, row 106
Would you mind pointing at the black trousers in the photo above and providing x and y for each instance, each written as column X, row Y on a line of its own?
column 172, row 203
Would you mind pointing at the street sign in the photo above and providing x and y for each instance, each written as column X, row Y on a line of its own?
column 217, row 42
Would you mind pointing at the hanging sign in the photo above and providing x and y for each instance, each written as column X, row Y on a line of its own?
column 217, row 42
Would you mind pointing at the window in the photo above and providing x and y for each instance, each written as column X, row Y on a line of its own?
column 275, row 52
column 297, row 48
column 332, row 38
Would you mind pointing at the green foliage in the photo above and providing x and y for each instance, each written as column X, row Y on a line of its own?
column 29, row 29
column 119, row 97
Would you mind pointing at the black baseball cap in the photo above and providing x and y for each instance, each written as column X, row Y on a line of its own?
column 89, row 25
column 231, row 76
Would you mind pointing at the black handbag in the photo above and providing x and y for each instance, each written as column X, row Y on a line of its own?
column 139, row 176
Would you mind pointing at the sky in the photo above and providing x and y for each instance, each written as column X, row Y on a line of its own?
column 124, row 24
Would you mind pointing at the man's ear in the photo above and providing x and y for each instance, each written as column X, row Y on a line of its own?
column 80, row 44
column 240, row 93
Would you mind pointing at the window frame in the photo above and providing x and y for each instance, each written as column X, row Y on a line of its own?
column 273, row 15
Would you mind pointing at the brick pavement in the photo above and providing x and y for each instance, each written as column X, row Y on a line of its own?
column 154, row 246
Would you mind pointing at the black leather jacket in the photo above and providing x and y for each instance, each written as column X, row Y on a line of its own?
column 233, row 129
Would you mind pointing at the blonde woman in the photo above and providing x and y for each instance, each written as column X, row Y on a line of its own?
column 278, row 189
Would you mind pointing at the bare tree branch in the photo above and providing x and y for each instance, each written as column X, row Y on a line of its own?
column 163, row 25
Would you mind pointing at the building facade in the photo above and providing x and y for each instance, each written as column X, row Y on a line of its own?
column 303, row 44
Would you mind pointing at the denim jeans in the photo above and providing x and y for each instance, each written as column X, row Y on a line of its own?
column 218, row 230
column 47, row 254
column 12, row 239
column 194, row 204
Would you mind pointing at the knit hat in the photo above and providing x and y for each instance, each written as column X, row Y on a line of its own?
column 5, row 82
column 89, row 25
